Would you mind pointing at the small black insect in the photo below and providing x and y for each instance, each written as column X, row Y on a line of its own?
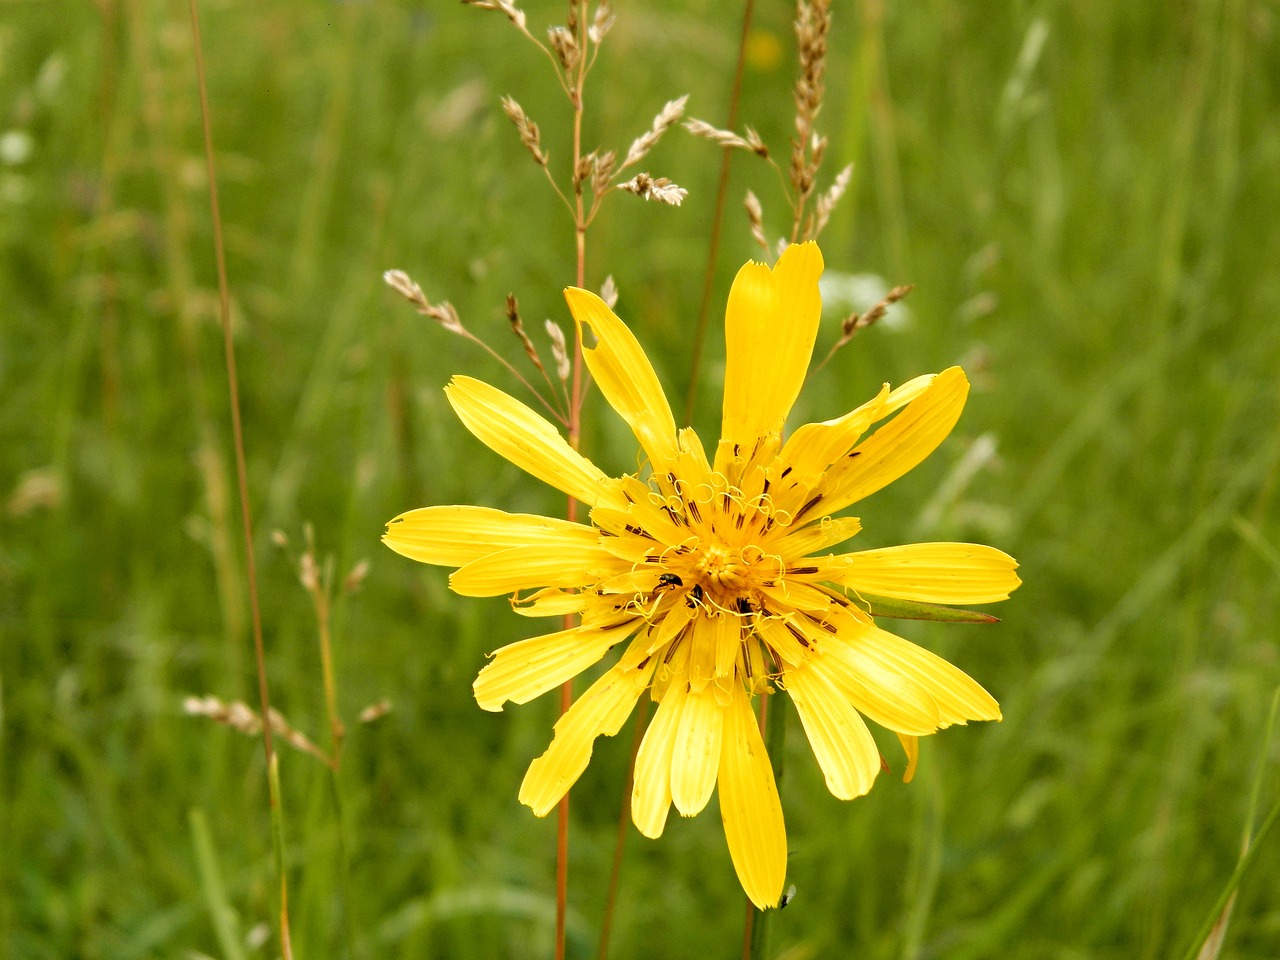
column 670, row 580
column 695, row 596
column 787, row 897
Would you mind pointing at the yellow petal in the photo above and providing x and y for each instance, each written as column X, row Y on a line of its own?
column 788, row 642
column 452, row 536
column 750, row 808
column 933, row 573
column 911, row 747
column 600, row 711
column 651, row 782
column 511, row 429
column 695, row 755
column 525, row 568
column 770, row 324
column 878, row 691
column 817, row 536
column 526, row 669
column 959, row 697
column 815, row 446
column 625, row 377
column 841, row 742
column 900, row 444
column 552, row 602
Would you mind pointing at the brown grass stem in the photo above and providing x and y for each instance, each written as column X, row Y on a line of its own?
column 620, row 844
column 717, row 218
column 237, row 432
column 575, row 434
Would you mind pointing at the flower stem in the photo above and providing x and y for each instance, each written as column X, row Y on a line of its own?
column 717, row 219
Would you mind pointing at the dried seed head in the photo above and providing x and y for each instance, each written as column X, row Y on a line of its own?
column 755, row 217
column 442, row 313
column 237, row 716
column 354, row 580
column 672, row 111
column 517, row 327
column 602, row 22
column 655, row 188
column 827, row 202
column 308, row 572
column 602, row 172
column 813, row 22
column 609, row 292
column 375, row 711
column 565, row 44
column 727, row 138
column 514, row 13
column 280, row 539
column 559, row 351
column 530, row 136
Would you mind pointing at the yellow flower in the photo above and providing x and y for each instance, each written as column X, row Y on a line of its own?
column 713, row 570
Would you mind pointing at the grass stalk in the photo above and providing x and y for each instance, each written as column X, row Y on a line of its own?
column 575, row 437
column 717, row 218
column 237, row 430
column 215, row 891
column 1213, row 933
column 624, row 811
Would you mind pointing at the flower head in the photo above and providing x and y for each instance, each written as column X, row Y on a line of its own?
column 715, row 573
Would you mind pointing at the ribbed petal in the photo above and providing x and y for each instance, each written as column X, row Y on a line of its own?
column 895, row 662
column 528, row 668
column 514, row 431
column 815, row 446
column 841, row 742
column 625, row 377
column 695, row 757
column 818, row 536
column 526, row 568
column 900, row 444
column 600, row 711
column 878, row 690
column 452, row 536
column 651, row 789
column 750, row 808
column 933, row 573
column 770, row 325
column 551, row 602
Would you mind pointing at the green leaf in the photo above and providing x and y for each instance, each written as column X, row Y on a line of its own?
column 915, row 610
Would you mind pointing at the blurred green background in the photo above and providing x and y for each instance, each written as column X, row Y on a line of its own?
column 1086, row 194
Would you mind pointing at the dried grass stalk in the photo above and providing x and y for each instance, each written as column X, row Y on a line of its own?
column 813, row 23
column 669, row 115
column 514, row 13
column 727, row 138
column 443, row 313
column 559, row 351
column 530, row 136
column 517, row 327
column 755, row 217
column 827, row 202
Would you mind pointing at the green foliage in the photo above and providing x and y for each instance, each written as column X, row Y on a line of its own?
column 1084, row 195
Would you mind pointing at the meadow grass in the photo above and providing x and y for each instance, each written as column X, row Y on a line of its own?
column 1084, row 195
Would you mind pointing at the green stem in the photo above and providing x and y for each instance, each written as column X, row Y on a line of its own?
column 1219, row 913
column 215, row 891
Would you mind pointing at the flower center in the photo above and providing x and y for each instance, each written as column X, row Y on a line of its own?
column 723, row 569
